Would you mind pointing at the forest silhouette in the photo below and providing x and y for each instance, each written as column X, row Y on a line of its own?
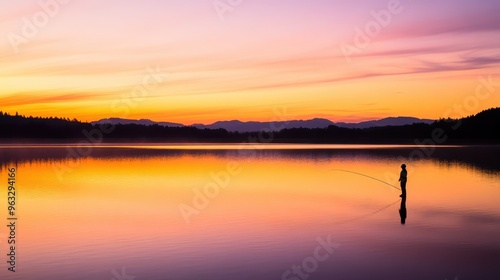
column 482, row 128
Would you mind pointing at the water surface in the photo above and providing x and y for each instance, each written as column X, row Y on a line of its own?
column 234, row 212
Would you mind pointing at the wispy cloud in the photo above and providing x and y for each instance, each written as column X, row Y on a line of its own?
column 268, row 52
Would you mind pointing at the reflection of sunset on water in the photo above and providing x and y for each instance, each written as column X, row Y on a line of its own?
column 126, row 210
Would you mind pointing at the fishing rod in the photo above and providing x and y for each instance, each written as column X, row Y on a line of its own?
column 364, row 175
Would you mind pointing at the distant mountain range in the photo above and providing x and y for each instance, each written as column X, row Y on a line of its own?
column 239, row 126
column 481, row 128
column 115, row 121
column 393, row 121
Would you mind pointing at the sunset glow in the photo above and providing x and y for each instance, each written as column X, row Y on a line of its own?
column 199, row 62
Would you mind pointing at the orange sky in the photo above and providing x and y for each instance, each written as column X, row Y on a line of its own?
column 191, row 63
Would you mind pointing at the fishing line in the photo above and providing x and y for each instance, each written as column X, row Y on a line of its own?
column 373, row 178
column 367, row 215
column 364, row 175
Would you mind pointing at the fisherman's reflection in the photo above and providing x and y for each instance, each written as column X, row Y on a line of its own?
column 402, row 210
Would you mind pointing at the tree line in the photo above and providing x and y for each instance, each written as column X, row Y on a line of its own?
column 483, row 127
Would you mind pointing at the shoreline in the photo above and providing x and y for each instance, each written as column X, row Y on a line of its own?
column 186, row 142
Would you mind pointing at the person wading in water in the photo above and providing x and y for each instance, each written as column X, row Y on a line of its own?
column 403, row 176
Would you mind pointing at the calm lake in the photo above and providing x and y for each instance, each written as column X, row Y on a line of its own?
column 233, row 212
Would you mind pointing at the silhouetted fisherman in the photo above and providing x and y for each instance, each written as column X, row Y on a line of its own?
column 403, row 176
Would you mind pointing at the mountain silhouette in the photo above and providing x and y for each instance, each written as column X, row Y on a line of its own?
column 253, row 126
column 116, row 121
column 392, row 121
column 239, row 126
column 481, row 128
